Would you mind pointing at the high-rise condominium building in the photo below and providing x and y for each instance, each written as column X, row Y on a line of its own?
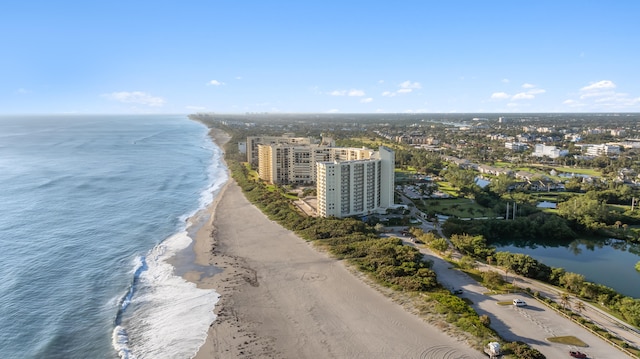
column 356, row 187
column 282, row 163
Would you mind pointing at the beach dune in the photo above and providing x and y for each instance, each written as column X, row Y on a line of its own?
column 282, row 298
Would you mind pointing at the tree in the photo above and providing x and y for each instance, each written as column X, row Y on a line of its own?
column 467, row 262
column 580, row 306
column 500, row 185
column 492, row 279
column 564, row 300
column 572, row 281
column 439, row 244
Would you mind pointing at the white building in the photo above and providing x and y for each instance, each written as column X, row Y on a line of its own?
column 602, row 150
column 516, row 146
column 356, row 187
column 549, row 151
column 253, row 142
column 283, row 163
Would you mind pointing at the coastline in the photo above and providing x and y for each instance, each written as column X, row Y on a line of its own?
column 281, row 298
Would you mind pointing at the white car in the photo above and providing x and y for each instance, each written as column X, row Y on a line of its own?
column 519, row 303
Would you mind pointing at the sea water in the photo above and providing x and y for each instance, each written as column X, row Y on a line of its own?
column 91, row 208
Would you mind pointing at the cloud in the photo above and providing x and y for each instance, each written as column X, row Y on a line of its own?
column 366, row 100
column 410, row 85
column 500, row 96
column 352, row 93
column 598, row 89
column 238, row 77
column 523, row 96
column 135, row 97
column 598, row 86
column 333, row 110
column 22, row 91
column 405, row 87
column 215, row 83
column 380, row 81
column 506, row 81
column 536, row 91
column 529, row 94
column 601, row 96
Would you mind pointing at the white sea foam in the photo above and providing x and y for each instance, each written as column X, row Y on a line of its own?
column 217, row 177
column 168, row 317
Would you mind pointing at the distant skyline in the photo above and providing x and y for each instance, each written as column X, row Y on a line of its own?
column 112, row 57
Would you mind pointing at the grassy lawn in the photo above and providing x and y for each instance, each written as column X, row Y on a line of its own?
column 530, row 169
column 619, row 208
column 502, row 164
column 569, row 340
column 460, row 207
column 447, row 188
column 545, row 196
column 582, row 171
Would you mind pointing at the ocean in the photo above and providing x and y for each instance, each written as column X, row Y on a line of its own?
column 91, row 209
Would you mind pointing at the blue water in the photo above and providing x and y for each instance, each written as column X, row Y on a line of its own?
column 91, row 209
column 610, row 262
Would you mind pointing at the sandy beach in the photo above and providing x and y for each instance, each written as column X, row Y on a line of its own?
column 281, row 298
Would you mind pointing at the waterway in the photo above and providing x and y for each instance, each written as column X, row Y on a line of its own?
column 608, row 262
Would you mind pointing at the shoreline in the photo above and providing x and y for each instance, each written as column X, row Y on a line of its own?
column 282, row 298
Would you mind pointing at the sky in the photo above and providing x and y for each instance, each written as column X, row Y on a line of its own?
column 236, row 56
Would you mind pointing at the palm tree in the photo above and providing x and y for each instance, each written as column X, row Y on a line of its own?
column 580, row 306
column 564, row 301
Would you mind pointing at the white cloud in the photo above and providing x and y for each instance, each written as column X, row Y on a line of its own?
column 600, row 85
column 506, row 81
column 352, row 92
column 536, row 91
column 366, row 100
column 601, row 96
column 238, row 77
column 22, row 91
column 410, row 85
column 333, row 110
column 405, row 87
column 523, row 96
column 136, row 97
column 530, row 94
column 380, row 81
column 499, row 96
column 215, row 83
